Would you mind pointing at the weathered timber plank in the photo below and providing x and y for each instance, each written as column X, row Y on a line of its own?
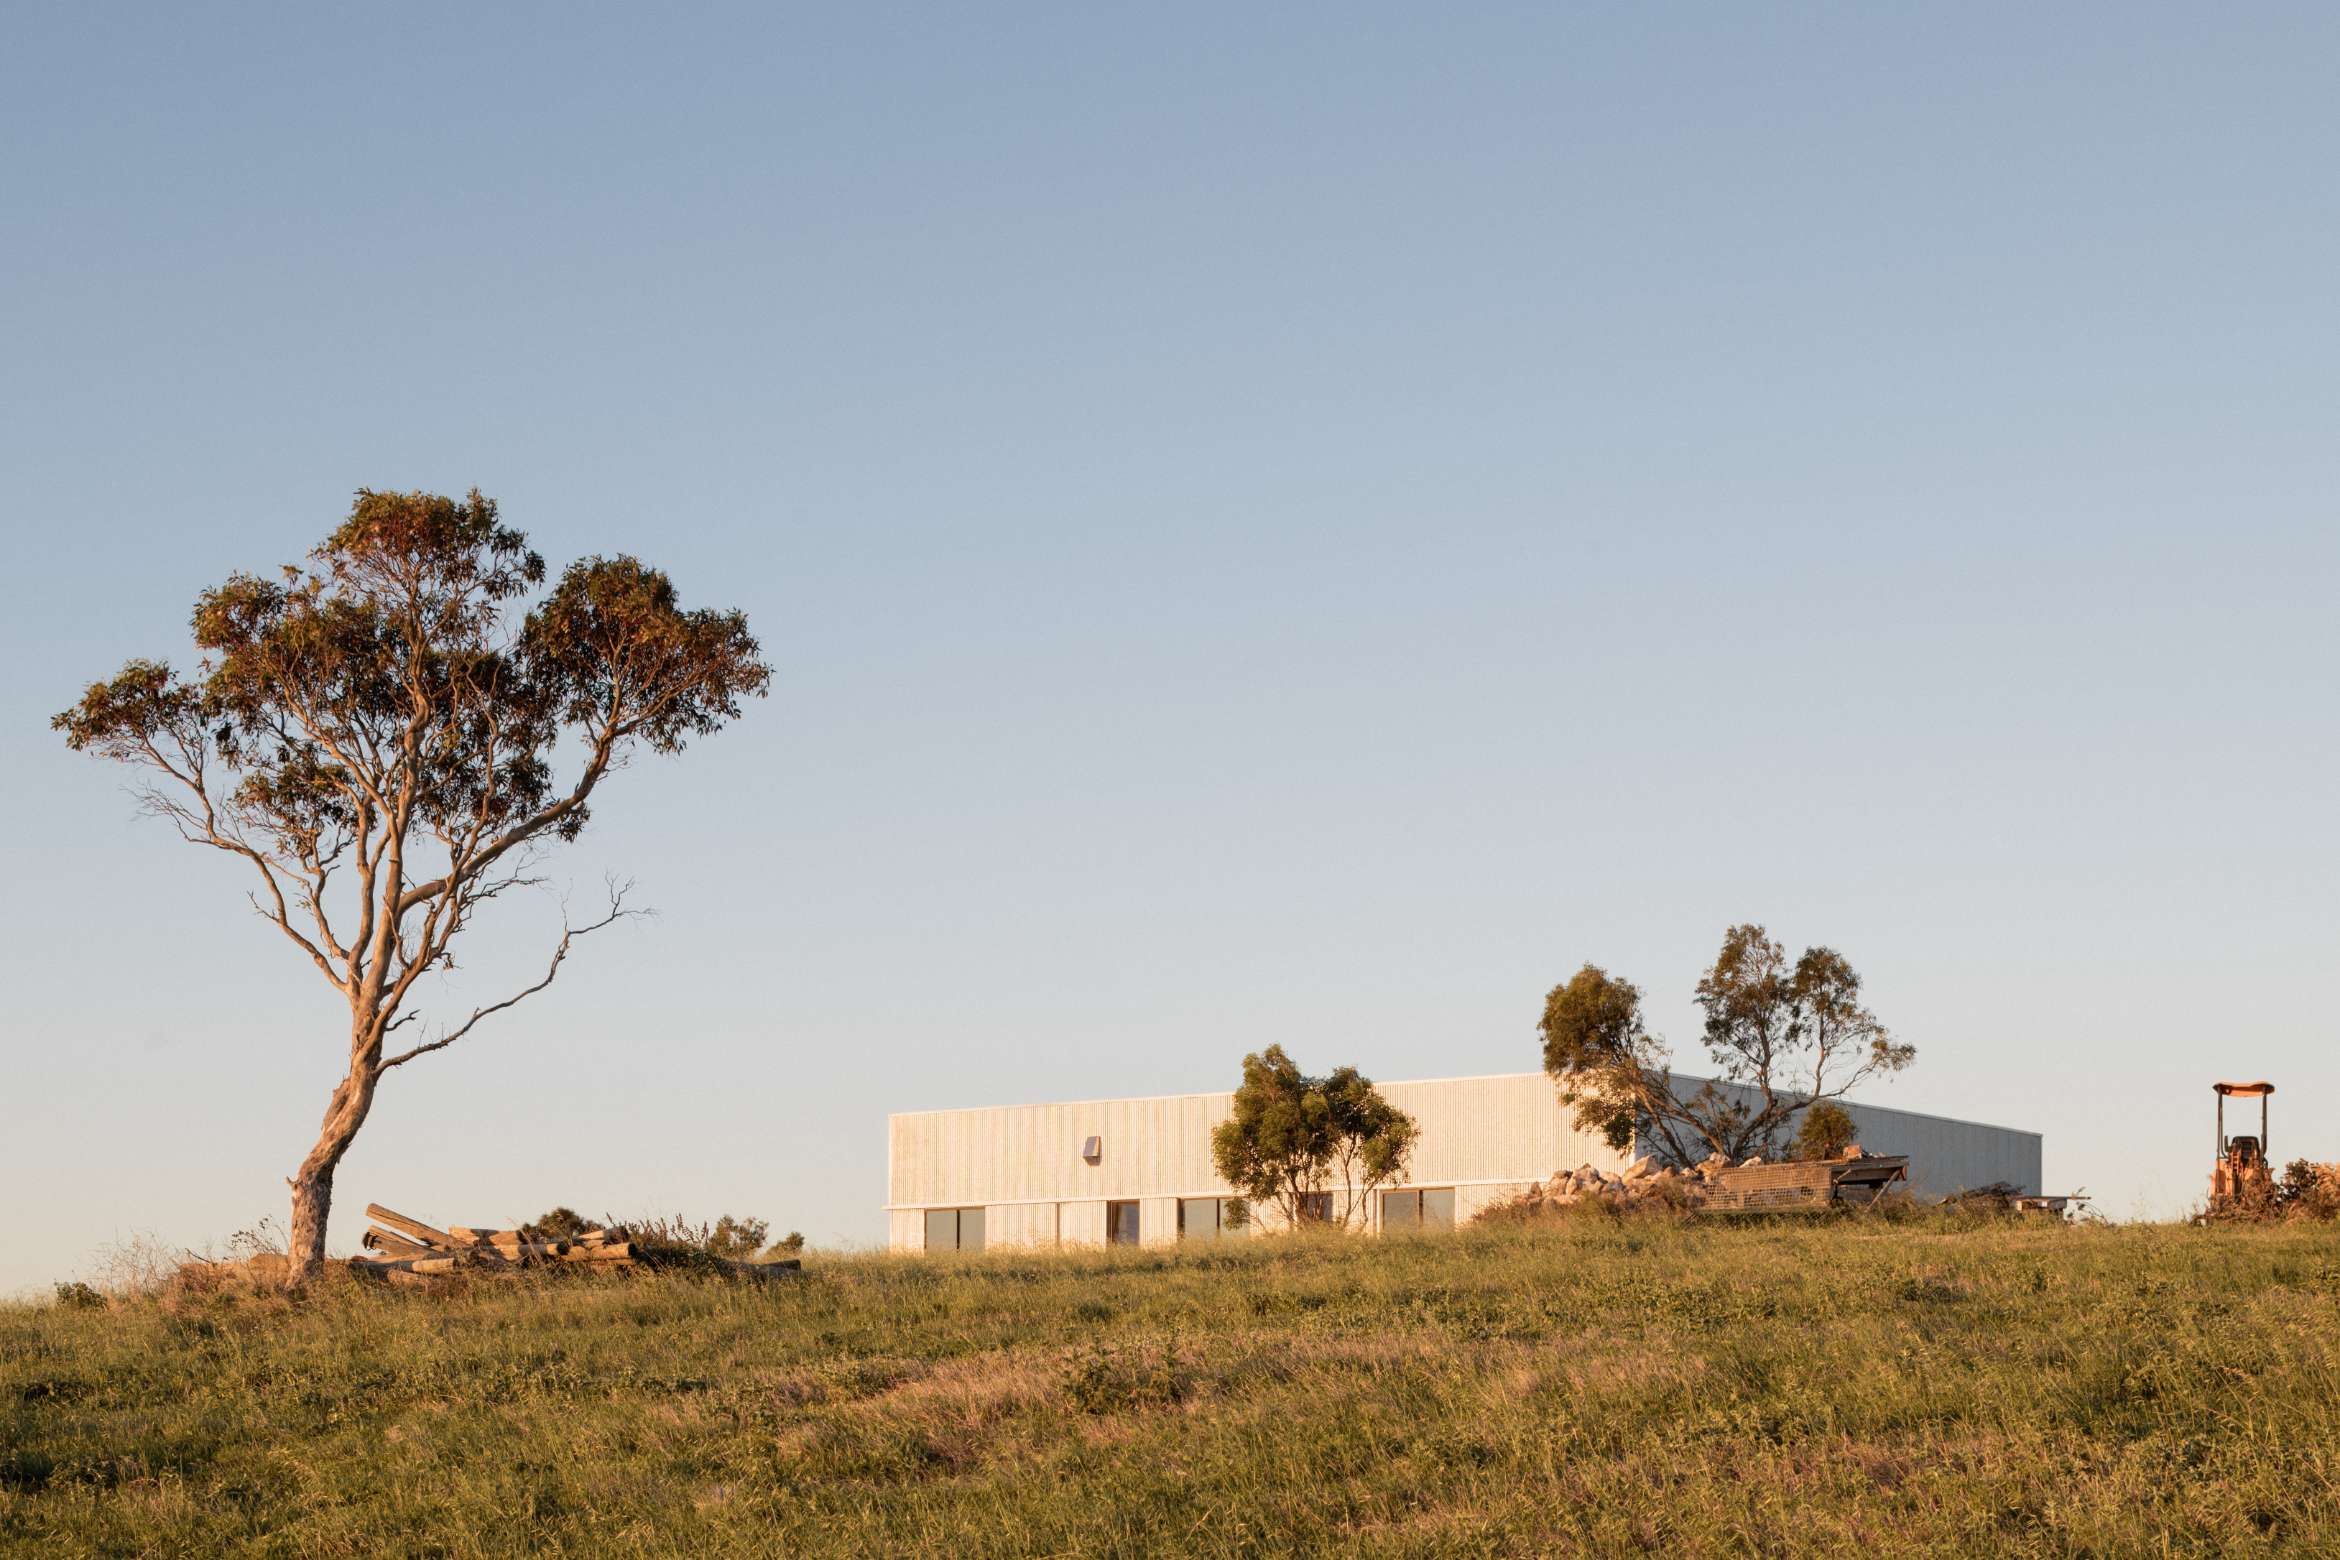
column 395, row 1245
column 618, row 1251
column 414, row 1229
column 434, row 1265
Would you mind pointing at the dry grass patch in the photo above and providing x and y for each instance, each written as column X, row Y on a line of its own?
column 1604, row 1387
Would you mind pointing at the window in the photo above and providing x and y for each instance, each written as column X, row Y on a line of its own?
column 1212, row 1218
column 954, row 1229
column 1431, row 1208
column 1121, row 1224
column 1316, row 1208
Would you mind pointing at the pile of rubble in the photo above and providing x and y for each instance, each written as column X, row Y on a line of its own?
column 1643, row 1184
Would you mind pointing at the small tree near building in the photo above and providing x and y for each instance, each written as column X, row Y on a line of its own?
column 1296, row 1142
column 1827, row 1131
column 375, row 737
column 1781, row 1040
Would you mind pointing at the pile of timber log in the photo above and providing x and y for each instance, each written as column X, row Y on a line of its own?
column 404, row 1250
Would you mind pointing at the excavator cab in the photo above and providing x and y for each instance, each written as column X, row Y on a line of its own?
column 2240, row 1175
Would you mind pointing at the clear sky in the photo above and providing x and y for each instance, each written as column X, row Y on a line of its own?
column 1296, row 528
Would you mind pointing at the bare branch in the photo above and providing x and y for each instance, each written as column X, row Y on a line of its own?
column 569, row 935
column 204, row 828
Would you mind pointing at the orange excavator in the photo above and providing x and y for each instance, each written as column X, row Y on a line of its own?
column 2240, row 1178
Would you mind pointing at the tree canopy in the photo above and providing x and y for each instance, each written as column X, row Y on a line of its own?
column 1779, row 1038
column 1295, row 1140
column 389, row 736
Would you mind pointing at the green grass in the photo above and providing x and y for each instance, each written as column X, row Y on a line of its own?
column 1595, row 1387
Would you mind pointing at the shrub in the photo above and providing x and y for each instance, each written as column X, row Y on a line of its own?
column 730, row 1237
column 1826, row 1133
column 78, row 1296
column 2309, row 1190
column 562, row 1223
column 737, row 1239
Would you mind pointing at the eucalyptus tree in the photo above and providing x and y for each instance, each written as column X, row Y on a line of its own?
column 1295, row 1141
column 1781, row 1038
column 391, row 737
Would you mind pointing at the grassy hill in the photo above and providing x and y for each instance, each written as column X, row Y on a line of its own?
column 1596, row 1387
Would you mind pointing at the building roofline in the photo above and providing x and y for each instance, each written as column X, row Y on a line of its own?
column 1211, row 1094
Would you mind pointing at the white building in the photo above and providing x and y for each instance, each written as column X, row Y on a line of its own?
column 1140, row 1170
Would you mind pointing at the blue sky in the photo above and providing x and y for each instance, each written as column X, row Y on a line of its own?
column 1296, row 528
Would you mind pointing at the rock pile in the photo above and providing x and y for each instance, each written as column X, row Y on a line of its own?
column 1643, row 1184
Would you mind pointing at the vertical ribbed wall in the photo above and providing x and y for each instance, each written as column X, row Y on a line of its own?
column 1487, row 1137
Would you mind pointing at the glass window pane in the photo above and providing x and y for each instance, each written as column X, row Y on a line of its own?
column 1198, row 1218
column 942, row 1229
column 970, row 1229
column 1121, row 1223
column 1438, row 1208
column 1401, row 1210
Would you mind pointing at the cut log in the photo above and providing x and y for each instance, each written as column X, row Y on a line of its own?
column 525, row 1251
column 621, row 1251
column 414, row 1229
column 520, row 1251
column 391, row 1245
column 433, row 1265
column 468, row 1236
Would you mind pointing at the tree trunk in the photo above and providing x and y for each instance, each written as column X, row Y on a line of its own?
column 312, row 1184
column 312, row 1205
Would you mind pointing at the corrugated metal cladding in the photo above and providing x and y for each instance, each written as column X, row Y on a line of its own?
column 1488, row 1138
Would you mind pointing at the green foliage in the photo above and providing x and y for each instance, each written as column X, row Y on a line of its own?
column 1789, row 1035
column 737, row 1239
column 1779, row 1039
column 2309, row 1190
column 1941, row 1387
column 1827, row 1131
column 1599, row 1051
column 562, row 1223
column 731, row 1237
column 1295, row 1139
column 77, row 1296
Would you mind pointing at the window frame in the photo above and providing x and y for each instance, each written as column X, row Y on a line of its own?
column 959, row 1218
column 1421, row 1218
column 1220, row 1226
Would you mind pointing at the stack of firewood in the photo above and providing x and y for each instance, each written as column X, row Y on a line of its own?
column 406, row 1250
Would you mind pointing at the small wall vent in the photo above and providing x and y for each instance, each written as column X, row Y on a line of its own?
column 1093, row 1149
